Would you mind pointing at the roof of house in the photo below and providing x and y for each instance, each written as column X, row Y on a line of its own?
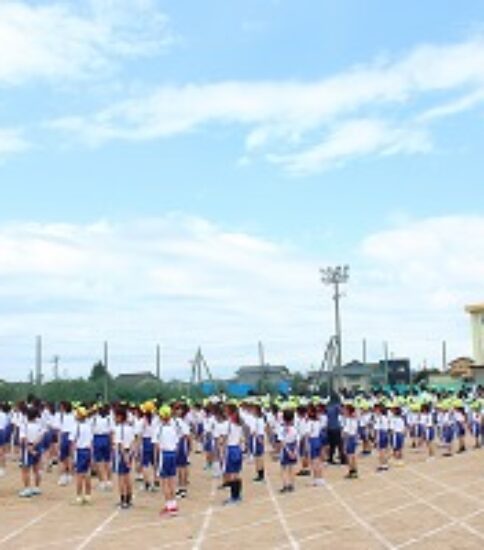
column 262, row 370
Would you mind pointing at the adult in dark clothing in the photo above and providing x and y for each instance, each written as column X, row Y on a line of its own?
column 335, row 429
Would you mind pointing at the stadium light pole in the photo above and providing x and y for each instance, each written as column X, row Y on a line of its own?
column 335, row 277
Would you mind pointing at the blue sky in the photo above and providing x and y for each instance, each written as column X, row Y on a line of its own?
column 176, row 172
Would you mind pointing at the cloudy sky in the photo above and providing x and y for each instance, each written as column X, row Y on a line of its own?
column 177, row 172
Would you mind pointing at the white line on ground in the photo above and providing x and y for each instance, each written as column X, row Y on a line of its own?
column 280, row 514
column 376, row 534
column 31, row 523
column 99, row 529
column 451, row 519
column 206, row 522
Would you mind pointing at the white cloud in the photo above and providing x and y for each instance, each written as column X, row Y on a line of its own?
column 355, row 138
column 12, row 141
column 282, row 117
column 73, row 40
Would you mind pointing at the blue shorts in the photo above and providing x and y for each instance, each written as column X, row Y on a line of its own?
column 430, row 434
column 168, row 464
column 314, row 448
column 30, row 458
column 122, row 463
column 199, row 430
column 3, row 438
column 363, row 433
column 448, row 434
column 182, row 453
column 102, row 448
column 47, row 440
column 65, row 447
column 476, row 429
column 83, row 461
column 324, row 438
column 147, row 453
column 398, row 441
column 233, row 460
column 461, row 430
column 259, row 446
column 208, row 443
column 304, row 448
column 289, row 455
column 382, row 440
column 351, row 445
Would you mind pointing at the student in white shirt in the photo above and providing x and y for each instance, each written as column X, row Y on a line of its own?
column 167, row 443
column 124, row 442
column 289, row 439
column 30, row 442
column 350, row 435
column 233, row 459
column 315, row 447
column 81, row 439
column 4, row 421
column 259, row 443
column 183, row 449
column 397, row 427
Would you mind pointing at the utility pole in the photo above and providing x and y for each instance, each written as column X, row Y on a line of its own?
column 385, row 352
column 106, row 372
column 444, row 356
column 364, row 351
column 158, row 361
column 38, row 361
column 55, row 369
column 335, row 277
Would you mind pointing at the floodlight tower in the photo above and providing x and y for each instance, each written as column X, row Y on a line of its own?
column 336, row 276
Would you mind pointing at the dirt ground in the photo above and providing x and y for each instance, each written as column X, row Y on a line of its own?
column 424, row 505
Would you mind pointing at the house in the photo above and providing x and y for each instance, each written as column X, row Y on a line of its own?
column 135, row 378
column 354, row 376
column 461, row 368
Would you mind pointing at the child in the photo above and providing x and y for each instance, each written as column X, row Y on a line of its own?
column 314, row 434
column 259, row 444
column 448, row 430
column 301, row 425
column 350, row 433
column 429, row 433
column 147, row 446
column 82, row 439
column 66, row 425
column 364, row 422
column 460, row 423
column 288, row 440
column 124, row 440
column 233, row 460
column 208, row 443
column 167, row 443
column 102, row 446
column 183, row 449
column 476, row 424
column 398, row 435
column 30, row 443
column 4, row 421
column 382, row 440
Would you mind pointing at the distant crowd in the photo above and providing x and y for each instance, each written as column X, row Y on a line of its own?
column 151, row 443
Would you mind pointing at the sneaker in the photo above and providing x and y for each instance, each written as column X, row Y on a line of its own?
column 25, row 493
column 291, row 489
column 319, row 483
column 79, row 501
column 88, row 499
column 283, row 491
column 36, row 491
column 63, row 482
column 231, row 502
column 2, row 472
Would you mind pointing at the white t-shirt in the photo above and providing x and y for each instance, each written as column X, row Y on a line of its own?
column 82, row 435
column 314, row 428
column 31, row 432
column 350, row 426
column 3, row 420
column 67, row 422
column 168, row 437
column 234, row 435
column 398, row 425
column 221, row 429
column 124, row 435
column 101, row 425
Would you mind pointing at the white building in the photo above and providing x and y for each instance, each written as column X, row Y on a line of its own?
column 477, row 321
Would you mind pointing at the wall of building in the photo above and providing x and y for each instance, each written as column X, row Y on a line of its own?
column 477, row 323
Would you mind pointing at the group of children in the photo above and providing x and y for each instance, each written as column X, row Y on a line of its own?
column 152, row 442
